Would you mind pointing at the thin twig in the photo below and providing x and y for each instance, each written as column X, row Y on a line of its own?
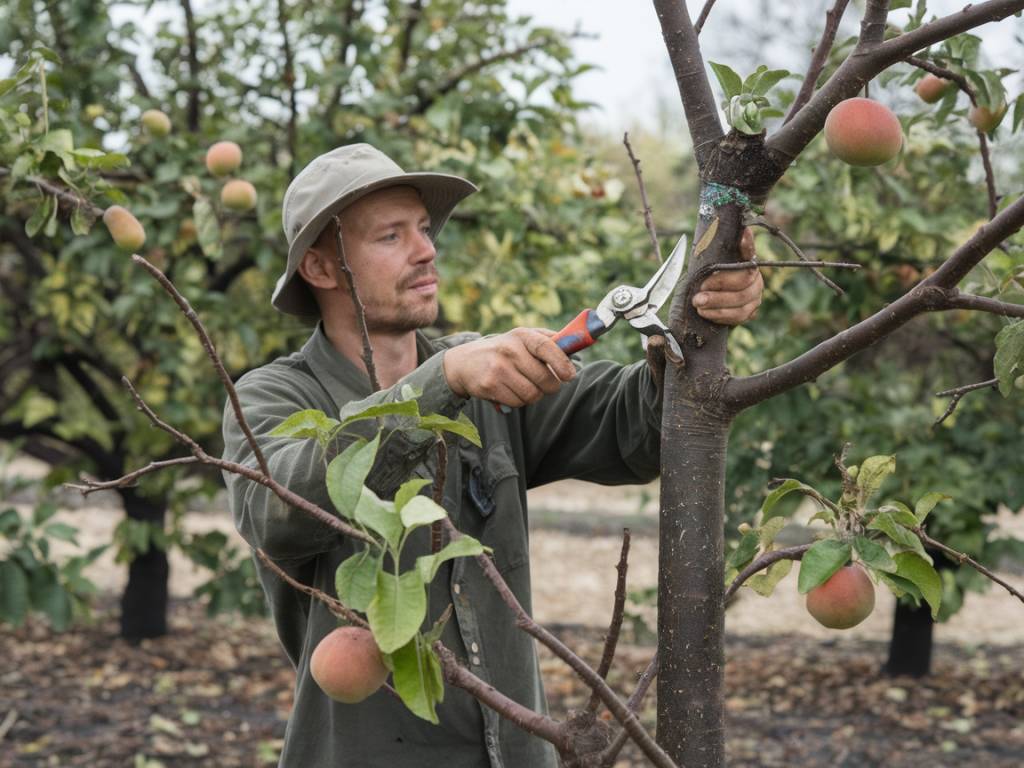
column 704, row 13
column 984, row 304
column 818, row 59
column 129, row 480
column 758, row 221
column 957, row 393
column 990, row 176
column 961, row 558
column 754, row 264
column 765, row 560
column 525, row 622
column 334, row 605
column 371, row 369
column 615, row 626
column 211, row 352
column 436, row 531
column 607, row 759
column 288, row 77
column 648, row 218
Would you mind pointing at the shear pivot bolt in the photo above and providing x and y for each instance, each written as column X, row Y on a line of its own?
column 622, row 297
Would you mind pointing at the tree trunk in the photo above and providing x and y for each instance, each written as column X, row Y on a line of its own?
column 910, row 648
column 695, row 428
column 144, row 602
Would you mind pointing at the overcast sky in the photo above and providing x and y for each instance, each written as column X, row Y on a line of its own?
column 634, row 65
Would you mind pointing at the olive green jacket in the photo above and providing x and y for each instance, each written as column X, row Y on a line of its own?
column 603, row 427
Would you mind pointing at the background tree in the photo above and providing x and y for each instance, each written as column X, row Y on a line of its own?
column 468, row 90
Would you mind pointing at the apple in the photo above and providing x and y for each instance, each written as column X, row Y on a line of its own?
column 863, row 132
column 844, row 600
column 931, row 88
column 238, row 195
column 985, row 119
column 156, row 123
column 124, row 228
column 347, row 665
column 223, row 158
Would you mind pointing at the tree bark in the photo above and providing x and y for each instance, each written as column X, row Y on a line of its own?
column 910, row 647
column 144, row 601
column 691, row 608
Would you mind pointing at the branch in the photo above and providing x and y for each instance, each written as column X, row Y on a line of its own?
column 353, row 11
column 648, row 218
column 691, row 79
column 334, row 605
column 864, row 64
column 437, row 492
column 424, row 100
column 607, row 759
column 765, row 560
column 411, row 19
column 821, row 52
column 872, row 26
column 704, row 13
column 986, row 159
column 63, row 194
column 983, row 304
column 289, row 81
column 371, row 369
column 128, row 481
column 958, row 393
column 931, row 294
column 759, row 221
column 211, row 352
column 524, row 621
column 962, row 558
column 809, row 264
column 615, row 626
column 193, row 67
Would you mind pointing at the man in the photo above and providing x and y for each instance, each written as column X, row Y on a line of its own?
column 598, row 422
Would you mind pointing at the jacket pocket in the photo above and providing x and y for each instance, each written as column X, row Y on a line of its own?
column 491, row 489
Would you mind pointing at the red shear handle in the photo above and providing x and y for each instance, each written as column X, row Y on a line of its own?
column 580, row 333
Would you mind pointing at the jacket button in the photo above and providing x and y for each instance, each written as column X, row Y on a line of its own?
column 457, row 589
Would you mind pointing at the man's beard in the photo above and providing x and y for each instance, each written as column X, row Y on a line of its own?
column 402, row 319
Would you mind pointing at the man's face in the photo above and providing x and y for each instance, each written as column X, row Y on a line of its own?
column 388, row 249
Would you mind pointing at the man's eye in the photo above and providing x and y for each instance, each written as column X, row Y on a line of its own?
column 390, row 237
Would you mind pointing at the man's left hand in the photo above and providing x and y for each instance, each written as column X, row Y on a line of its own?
column 732, row 297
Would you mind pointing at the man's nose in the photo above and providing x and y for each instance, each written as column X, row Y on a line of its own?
column 425, row 250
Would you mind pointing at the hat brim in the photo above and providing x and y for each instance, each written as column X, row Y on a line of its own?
column 439, row 192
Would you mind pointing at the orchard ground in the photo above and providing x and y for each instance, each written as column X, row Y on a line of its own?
column 217, row 691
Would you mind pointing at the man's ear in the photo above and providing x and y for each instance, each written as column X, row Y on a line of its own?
column 317, row 270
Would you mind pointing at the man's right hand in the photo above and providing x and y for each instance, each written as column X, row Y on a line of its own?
column 515, row 368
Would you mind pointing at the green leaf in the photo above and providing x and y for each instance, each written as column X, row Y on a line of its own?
column 379, row 516
column 462, row 427
column 418, row 679
column 397, row 408
column 355, row 581
column 408, row 490
column 347, row 472
column 397, row 609
column 744, row 551
column 6, row 84
column 1018, row 112
column 764, row 583
column 43, row 512
column 873, row 554
column 57, row 141
column 50, row 598
column 873, row 471
column 419, row 511
column 768, row 80
column 10, row 522
column 466, row 546
column 901, row 536
column 1009, row 359
column 81, row 223
column 304, row 424
column 789, row 485
column 62, row 532
column 40, row 215
column 927, row 503
column 900, row 513
column 819, row 562
column 14, row 600
column 732, row 84
column 915, row 569
column 207, row 228
column 766, row 533
column 900, row 587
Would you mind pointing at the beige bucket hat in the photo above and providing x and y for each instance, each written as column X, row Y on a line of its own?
column 335, row 180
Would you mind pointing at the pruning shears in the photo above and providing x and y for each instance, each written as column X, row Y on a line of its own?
column 638, row 306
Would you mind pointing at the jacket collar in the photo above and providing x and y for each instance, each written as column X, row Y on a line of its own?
column 340, row 376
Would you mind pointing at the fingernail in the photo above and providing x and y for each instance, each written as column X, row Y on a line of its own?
column 701, row 299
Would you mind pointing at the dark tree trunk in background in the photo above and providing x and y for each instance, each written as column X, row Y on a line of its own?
column 910, row 648
column 144, row 602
